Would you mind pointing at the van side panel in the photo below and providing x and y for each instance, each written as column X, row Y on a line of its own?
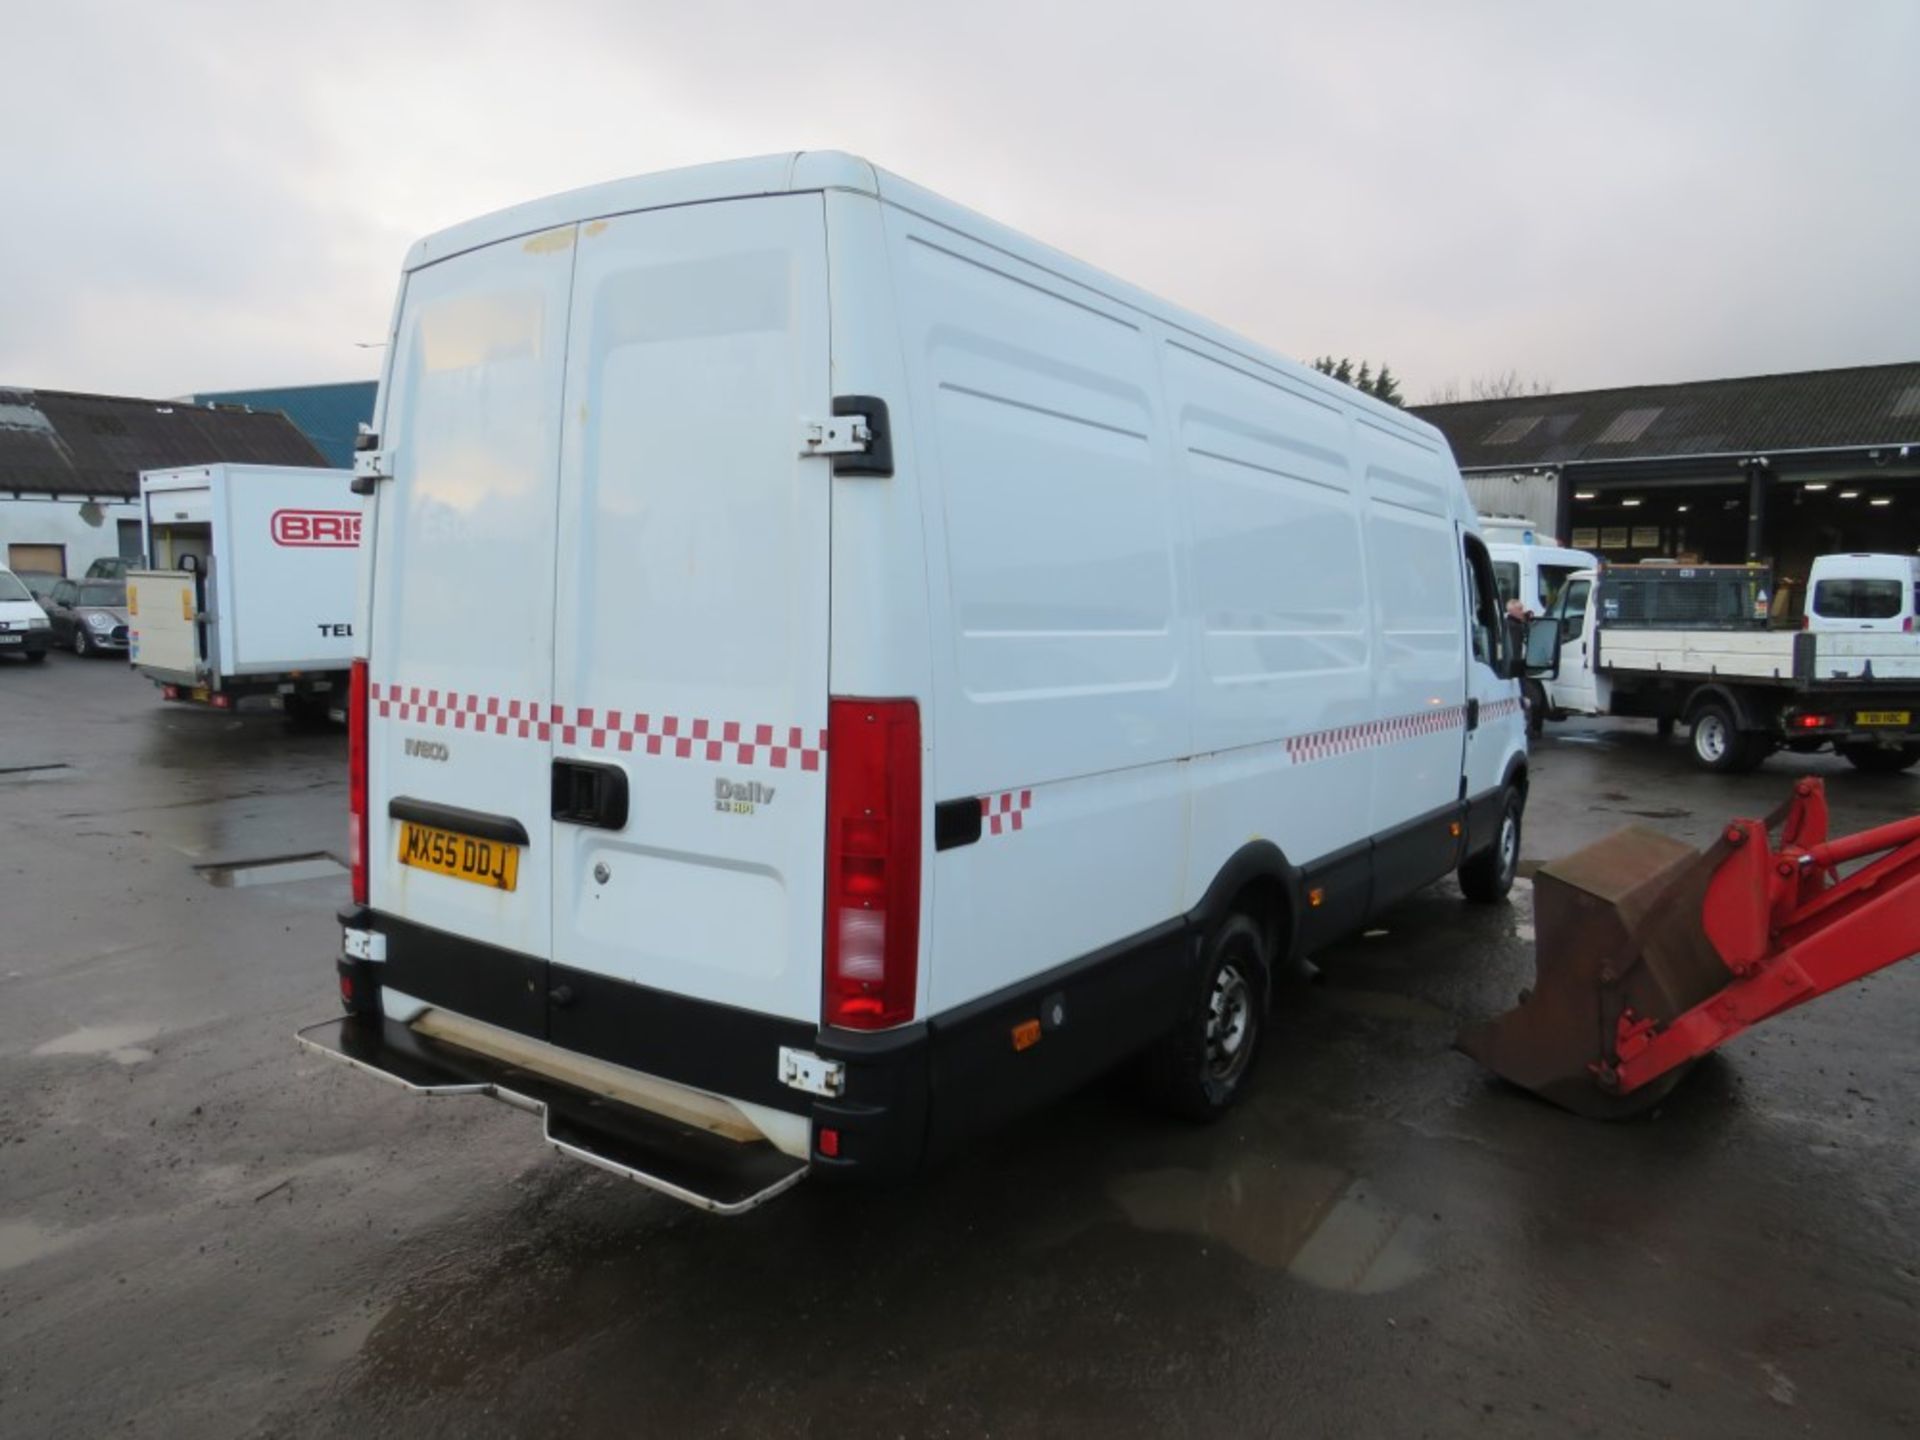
column 1420, row 673
column 1060, row 698
column 1280, row 614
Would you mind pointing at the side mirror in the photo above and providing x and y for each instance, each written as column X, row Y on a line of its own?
column 1543, row 649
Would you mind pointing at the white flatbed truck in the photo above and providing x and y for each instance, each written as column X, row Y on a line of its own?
column 249, row 585
column 1741, row 689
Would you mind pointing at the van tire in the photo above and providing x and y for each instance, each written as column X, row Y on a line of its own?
column 1486, row 878
column 1881, row 760
column 1200, row 1067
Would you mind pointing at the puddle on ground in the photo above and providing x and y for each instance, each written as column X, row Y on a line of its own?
column 1319, row 1224
column 1384, row 1005
column 22, row 1241
column 280, row 870
column 123, row 1044
column 340, row 1340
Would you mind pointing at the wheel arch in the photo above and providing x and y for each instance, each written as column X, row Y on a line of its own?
column 1748, row 714
column 1256, row 879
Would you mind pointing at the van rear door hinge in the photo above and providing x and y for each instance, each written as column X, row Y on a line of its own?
column 803, row 1070
column 859, row 437
column 369, row 462
column 843, row 435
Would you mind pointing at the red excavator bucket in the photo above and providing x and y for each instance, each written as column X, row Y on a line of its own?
column 1649, row 954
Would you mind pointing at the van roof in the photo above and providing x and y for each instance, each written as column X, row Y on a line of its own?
column 809, row 170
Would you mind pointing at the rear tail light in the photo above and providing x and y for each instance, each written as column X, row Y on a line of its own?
column 1811, row 722
column 357, row 779
column 1806, row 622
column 872, row 941
column 1906, row 626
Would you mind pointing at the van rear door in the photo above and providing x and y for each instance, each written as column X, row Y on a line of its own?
column 461, row 644
column 690, row 635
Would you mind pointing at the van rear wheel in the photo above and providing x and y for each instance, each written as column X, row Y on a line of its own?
column 1199, row 1068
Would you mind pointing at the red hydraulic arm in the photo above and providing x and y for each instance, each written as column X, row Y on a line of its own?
column 1788, row 927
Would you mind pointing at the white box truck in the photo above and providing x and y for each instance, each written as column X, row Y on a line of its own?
column 834, row 672
column 249, row 585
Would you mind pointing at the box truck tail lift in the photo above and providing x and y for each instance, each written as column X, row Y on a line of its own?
column 1650, row 955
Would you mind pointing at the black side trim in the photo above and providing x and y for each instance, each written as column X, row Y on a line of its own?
column 1413, row 855
column 878, row 459
column 1344, row 879
column 464, row 822
column 1094, row 1013
column 956, row 823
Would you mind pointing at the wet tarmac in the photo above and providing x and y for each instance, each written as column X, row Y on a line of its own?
column 204, row 1232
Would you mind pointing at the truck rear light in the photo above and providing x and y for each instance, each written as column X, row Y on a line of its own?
column 1811, row 722
column 222, row 701
column 169, row 692
column 872, row 940
column 1906, row 626
column 357, row 779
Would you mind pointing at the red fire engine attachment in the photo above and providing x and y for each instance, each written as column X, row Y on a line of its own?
column 1650, row 955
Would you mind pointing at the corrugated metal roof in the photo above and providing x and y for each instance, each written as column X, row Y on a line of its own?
column 328, row 415
column 58, row 442
column 1809, row 410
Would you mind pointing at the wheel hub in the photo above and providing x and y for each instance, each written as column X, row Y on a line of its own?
column 1229, row 1024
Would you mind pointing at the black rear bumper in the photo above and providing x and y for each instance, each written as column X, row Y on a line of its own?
column 909, row 1095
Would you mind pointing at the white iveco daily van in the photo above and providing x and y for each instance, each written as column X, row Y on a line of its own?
column 837, row 672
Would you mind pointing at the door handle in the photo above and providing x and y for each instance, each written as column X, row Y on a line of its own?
column 585, row 793
column 1473, row 713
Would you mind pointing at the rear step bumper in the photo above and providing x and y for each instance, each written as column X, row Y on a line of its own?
column 725, row 1176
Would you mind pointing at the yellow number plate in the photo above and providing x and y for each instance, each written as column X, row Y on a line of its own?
column 201, row 693
column 484, row 862
column 1883, row 717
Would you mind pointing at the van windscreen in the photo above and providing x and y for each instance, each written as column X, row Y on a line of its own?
column 1857, row 599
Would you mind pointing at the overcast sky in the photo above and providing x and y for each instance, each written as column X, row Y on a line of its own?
column 206, row 196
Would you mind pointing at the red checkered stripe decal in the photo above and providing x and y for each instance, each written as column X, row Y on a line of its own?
column 1005, row 811
column 1348, row 739
column 1495, row 709
column 681, row 737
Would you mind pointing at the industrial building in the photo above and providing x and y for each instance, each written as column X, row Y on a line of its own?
column 1769, row 468
column 328, row 415
column 70, row 467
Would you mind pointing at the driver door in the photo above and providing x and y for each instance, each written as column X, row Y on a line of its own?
column 1575, row 689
